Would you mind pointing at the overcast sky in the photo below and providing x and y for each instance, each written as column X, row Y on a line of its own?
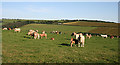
column 107, row 11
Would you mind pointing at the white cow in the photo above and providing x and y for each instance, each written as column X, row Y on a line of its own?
column 76, row 36
column 5, row 29
column 105, row 36
column 17, row 29
column 81, row 40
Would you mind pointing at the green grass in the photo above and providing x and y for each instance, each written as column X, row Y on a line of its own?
column 20, row 48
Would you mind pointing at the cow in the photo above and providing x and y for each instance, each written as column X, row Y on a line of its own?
column 88, row 36
column 111, row 37
column 73, row 41
column 31, row 32
column 17, row 30
column 81, row 40
column 36, row 35
column 76, row 35
column 105, row 36
column 36, row 30
column 4, row 29
column 41, row 35
column 9, row 28
column 52, row 38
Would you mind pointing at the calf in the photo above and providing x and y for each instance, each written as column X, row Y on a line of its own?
column 73, row 41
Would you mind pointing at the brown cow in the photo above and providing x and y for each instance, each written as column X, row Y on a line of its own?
column 43, row 35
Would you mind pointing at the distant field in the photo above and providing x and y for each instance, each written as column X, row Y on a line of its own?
column 20, row 48
column 107, row 30
column 93, row 24
column 102, row 28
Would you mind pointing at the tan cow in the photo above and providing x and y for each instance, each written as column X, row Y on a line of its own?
column 42, row 35
column 17, row 29
column 88, row 36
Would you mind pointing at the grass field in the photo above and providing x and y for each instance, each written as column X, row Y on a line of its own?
column 20, row 48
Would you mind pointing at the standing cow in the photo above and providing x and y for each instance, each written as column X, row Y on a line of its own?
column 81, row 40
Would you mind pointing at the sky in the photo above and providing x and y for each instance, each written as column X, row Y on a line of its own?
column 106, row 11
column 60, row 0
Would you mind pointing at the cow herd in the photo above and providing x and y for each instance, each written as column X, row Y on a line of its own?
column 36, row 35
column 79, row 37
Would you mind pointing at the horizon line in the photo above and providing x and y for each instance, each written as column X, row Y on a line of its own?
column 63, row 19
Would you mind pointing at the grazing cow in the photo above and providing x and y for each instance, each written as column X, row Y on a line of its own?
column 36, row 35
column 111, row 37
column 31, row 32
column 117, row 36
column 17, row 30
column 88, row 36
column 56, row 32
column 41, row 35
column 9, row 28
column 105, row 36
column 52, row 39
column 4, row 29
column 53, row 32
column 81, row 40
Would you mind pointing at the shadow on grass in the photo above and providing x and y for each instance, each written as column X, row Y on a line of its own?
column 64, row 44
column 27, row 37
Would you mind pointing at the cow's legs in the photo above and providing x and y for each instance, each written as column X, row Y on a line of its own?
column 82, row 45
column 78, row 44
column 34, row 37
column 38, row 36
column 46, row 36
column 71, row 44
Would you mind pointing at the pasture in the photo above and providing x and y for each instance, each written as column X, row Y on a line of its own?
column 21, row 48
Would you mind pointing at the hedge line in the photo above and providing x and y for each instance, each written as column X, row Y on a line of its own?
column 17, row 24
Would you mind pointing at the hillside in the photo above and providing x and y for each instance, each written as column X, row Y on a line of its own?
column 102, row 28
column 92, row 24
